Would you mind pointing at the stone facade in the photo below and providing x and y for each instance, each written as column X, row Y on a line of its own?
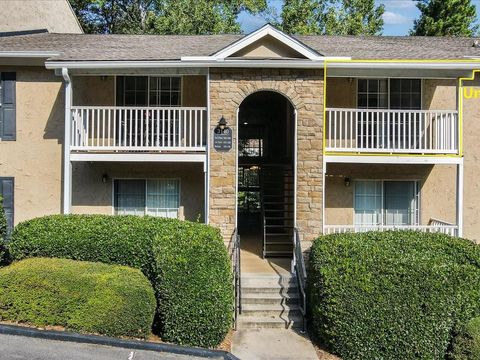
column 304, row 89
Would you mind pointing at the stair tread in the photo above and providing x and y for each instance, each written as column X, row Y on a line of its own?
column 272, row 307
column 269, row 319
column 270, row 296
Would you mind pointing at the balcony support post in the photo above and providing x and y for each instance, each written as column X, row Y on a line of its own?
column 67, row 165
column 460, row 198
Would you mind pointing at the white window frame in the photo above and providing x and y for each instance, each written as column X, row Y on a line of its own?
column 114, row 212
column 148, row 88
column 418, row 200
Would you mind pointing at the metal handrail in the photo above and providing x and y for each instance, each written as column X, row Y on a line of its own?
column 300, row 274
column 237, row 281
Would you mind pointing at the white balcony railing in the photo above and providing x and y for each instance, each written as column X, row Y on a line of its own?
column 138, row 128
column 443, row 228
column 391, row 131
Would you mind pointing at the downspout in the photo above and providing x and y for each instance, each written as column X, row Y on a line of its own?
column 67, row 166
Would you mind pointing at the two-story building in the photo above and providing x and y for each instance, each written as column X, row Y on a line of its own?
column 265, row 132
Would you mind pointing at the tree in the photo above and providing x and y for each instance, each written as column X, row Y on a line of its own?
column 3, row 222
column 445, row 18
column 332, row 17
column 163, row 16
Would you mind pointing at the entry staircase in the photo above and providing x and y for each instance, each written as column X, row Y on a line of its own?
column 277, row 205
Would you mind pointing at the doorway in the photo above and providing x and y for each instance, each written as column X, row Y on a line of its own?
column 266, row 174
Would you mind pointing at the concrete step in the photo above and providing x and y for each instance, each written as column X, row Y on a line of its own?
column 270, row 310
column 270, row 299
column 280, row 322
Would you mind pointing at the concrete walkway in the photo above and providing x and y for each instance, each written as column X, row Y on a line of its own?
column 268, row 344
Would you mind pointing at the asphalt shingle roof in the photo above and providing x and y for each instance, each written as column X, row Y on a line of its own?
column 83, row 47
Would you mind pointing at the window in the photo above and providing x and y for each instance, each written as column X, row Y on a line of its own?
column 386, row 203
column 249, row 189
column 403, row 94
column 251, row 144
column 7, row 106
column 373, row 93
column 149, row 90
column 155, row 197
column 6, row 193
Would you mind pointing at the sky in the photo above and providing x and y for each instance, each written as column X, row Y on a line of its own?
column 398, row 17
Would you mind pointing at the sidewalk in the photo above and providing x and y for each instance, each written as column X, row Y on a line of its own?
column 267, row 344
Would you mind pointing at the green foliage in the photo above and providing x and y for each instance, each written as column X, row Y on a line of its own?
column 445, row 18
column 466, row 345
column 199, row 295
column 332, row 17
column 392, row 295
column 80, row 296
column 183, row 17
column 194, row 286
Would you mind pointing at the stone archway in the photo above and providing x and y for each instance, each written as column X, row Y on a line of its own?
column 304, row 89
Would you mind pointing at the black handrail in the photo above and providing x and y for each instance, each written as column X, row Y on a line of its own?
column 300, row 274
column 237, row 281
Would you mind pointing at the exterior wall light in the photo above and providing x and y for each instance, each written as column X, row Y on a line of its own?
column 222, row 123
column 104, row 178
column 347, row 182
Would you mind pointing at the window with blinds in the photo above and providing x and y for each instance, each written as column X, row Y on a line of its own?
column 154, row 197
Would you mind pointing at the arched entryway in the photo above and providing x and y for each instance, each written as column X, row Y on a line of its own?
column 266, row 174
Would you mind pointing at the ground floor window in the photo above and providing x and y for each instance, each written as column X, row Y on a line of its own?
column 6, row 195
column 380, row 202
column 155, row 197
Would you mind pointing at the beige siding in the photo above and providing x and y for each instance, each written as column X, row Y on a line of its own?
column 52, row 15
column 268, row 48
column 471, row 136
column 437, row 189
column 92, row 196
column 35, row 158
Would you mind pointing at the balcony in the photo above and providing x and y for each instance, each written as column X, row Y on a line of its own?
column 138, row 129
column 367, row 131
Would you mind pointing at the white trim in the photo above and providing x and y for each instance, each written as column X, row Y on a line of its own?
column 295, row 164
column 130, row 157
column 237, row 126
column 366, row 159
column 28, row 54
column 67, row 165
column 415, row 64
column 266, row 30
column 460, row 176
column 207, row 159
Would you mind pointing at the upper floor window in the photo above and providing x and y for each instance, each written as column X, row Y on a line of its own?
column 403, row 94
column 149, row 90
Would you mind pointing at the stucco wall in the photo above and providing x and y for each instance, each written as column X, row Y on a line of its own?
column 440, row 94
column 53, row 15
column 35, row 158
column 93, row 91
column 471, row 136
column 437, row 189
column 341, row 92
column 91, row 196
column 194, row 91
column 228, row 88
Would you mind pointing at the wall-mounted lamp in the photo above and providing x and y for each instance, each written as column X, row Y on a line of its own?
column 346, row 181
column 103, row 78
column 222, row 123
column 104, row 178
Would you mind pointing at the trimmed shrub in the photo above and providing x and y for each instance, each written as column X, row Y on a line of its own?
column 391, row 295
column 466, row 345
column 81, row 296
column 187, row 264
column 194, row 286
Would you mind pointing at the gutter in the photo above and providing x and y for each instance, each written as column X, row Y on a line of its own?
column 28, row 54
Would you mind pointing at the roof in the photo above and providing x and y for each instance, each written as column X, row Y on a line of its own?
column 88, row 47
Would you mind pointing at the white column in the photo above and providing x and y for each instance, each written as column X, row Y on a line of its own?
column 67, row 165
column 460, row 198
column 207, row 163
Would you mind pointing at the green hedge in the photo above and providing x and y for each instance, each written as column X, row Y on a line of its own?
column 194, row 287
column 391, row 295
column 81, row 296
column 152, row 245
column 466, row 345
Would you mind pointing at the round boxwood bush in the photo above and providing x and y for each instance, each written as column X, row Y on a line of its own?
column 81, row 296
column 391, row 295
column 194, row 286
column 466, row 345
column 201, row 296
